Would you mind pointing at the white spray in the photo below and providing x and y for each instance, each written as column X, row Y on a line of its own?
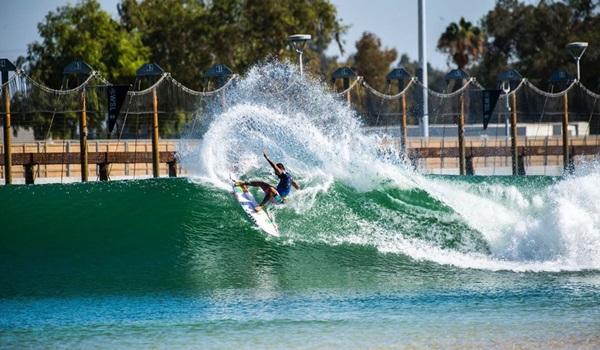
column 320, row 139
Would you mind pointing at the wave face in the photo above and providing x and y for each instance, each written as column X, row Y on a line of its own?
column 361, row 217
column 177, row 235
column 356, row 192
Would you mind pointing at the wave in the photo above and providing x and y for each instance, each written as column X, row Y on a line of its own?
column 485, row 225
column 176, row 235
column 359, row 204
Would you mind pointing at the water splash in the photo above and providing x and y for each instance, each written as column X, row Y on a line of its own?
column 320, row 139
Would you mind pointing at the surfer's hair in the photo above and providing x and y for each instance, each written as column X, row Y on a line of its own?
column 280, row 166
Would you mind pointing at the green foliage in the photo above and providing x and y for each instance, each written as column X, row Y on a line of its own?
column 371, row 61
column 74, row 32
column 176, row 33
column 186, row 37
column 463, row 42
column 84, row 31
column 532, row 39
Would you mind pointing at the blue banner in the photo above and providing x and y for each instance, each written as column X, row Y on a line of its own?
column 490, row 98
column 116, row 96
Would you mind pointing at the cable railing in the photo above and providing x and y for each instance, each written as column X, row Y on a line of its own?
column 359, row 82
column 534, row 105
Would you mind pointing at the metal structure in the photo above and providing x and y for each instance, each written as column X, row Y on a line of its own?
column 344, row 73
column 401, row 75
column 448, row 150
column 220, row 72
column 80, row 69
column 422, row 71
column 149, row 70
column 561, row 76
column 506, row 89
column 576, row 49
column 5, row 67
column 511, row 77
column 509, row 81
column 562, row 79
column 153, row 70
column 298, row 43
column 459, row 77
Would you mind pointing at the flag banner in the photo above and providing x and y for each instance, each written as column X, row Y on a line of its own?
column 490, row 98
column 116, row 97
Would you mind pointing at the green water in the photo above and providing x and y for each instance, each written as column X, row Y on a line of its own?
column 171, row 263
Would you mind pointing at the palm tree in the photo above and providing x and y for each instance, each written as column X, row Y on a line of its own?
column 463, row 42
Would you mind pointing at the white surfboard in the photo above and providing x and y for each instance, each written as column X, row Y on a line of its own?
column 260, row 219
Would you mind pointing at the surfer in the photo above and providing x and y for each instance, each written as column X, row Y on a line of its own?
column 274, row 194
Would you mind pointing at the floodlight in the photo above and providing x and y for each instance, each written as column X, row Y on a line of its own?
column 576, row 49
column 298, row 42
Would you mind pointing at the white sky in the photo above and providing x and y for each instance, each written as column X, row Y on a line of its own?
column 394, row 21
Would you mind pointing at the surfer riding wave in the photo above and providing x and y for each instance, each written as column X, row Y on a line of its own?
column 276, row 194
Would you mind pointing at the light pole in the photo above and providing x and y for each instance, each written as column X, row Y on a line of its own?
column 298, row 42
column 576, row 49
column 506, row 90
column 422, row 71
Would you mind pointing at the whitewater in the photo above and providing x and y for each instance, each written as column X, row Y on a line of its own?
column 493, row 225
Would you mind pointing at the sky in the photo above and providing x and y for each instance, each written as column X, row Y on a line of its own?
column 394, row 21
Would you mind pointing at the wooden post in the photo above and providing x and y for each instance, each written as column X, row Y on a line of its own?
column 469, row 165
column 565, row 135
column 126, row 166
column 571, row 163
column 155, row 163
column 29, row 178
column 521, row 164
column 83, row 135
column 7, row 131
column 103, row 167
column 461, row 138
column 172, row 168
column 414, row 161
column 68, row 149
column 513, row 136
column 404, row 131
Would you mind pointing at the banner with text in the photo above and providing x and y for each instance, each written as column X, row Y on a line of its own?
column 490, row 98
column 116, row 97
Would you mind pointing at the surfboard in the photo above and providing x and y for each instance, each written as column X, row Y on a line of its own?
column 262, row 220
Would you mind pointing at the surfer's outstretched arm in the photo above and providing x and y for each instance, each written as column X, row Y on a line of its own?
column 295, row 184
column 273, row 165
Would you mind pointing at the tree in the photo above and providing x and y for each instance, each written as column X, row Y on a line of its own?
column 187, row 36
column 463, row 42
column 176, row 32
column 266, row 24
column 74, row 32
column 84, row 31
column 372, row 62
column 532, row 39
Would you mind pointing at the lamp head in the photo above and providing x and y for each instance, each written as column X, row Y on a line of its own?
column 576, row 49
column 298, row 41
